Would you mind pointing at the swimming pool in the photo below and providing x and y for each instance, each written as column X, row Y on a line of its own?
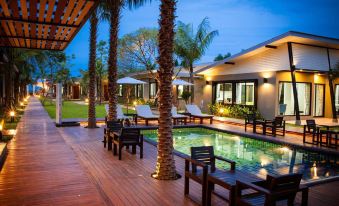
column 255, row 156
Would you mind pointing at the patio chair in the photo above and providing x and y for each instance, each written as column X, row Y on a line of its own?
column 144, row 112
column 312, row 129
column 270, row 191
column 178, row 117
column 278, row 124
column 204, row 158
column 195, row 112
column 111, row 127
column 128, row 137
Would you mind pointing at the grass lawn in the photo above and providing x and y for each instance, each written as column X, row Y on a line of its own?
column 74, row 110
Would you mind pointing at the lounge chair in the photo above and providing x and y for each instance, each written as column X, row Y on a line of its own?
column 178, row 117
column 195, row 112
column 271, row 190
column 128, row 137
column 120, row 113
column 144, row 112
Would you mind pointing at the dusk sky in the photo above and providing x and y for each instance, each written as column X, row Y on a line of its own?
column 241, row 23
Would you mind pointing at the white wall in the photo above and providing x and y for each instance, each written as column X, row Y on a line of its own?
column 269, row 60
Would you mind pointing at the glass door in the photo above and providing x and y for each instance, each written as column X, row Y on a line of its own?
column 319, row 97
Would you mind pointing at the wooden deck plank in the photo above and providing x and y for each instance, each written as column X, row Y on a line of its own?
column 41, row 169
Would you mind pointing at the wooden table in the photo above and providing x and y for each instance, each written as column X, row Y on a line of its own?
column 227, row 180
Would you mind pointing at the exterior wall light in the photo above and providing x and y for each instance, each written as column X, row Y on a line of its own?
column 12, row 114
column 265, row 80
column 208, row 82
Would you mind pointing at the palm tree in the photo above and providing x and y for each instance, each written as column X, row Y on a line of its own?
column 190, row 46
column 91, row 71
column 165, row 167
column 113, row 10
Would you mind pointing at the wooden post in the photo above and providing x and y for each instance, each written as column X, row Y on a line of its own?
column 294, row 85
column 58, row 119
column 330, row 83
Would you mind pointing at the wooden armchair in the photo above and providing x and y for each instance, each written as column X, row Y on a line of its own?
column 202, row 162
column 128, row 137
column 111, row 126
column 311, row 129
column 278, row 124
column 271, row 190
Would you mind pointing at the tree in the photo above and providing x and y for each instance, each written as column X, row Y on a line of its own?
column 101, row 68
column 140, row 47
column 113, row 15
column 91, row 70
column 84, row 82
column 190, row 46
column 165, row 167
column 221, row 57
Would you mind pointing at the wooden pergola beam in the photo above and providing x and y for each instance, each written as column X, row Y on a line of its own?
column 37, row 22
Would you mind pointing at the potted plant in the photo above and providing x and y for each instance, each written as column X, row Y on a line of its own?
column 186, row 96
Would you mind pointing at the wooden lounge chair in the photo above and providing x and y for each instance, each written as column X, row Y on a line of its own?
column 111, row 127
column 271, row 190
column 278, row 124
column 178, row 117
column 204, row 158
column 128, row 137
column 120, row 114
column 195, row 112
column 144, row 112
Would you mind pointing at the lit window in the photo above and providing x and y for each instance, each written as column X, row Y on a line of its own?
column 152, row 90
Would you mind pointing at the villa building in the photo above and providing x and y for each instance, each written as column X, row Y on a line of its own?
column 263, row 76
column 266, row 75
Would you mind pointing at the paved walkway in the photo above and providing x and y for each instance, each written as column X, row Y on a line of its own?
column 41, row 169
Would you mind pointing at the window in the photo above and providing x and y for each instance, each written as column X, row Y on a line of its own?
column 224, row 93
column 336, row 97
column 235, row 92
column 120, row 90
column 181, row 89
column 152, row 90
column 319, row 98
column 286, row 98
column 138, row 91
column 245, row 93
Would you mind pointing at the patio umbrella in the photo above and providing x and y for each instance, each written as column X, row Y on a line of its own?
column 181, row 82
column 129, row 81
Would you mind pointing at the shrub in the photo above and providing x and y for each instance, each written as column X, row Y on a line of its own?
column 186, row 95
column 234, row 111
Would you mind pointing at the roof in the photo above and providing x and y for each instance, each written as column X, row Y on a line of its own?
column 291, row 36
column 181, row 71
column 41, row 24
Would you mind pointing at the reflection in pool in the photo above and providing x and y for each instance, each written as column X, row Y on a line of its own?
column 255, row 156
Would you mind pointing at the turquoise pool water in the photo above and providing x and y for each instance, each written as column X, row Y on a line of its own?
column 255, row 156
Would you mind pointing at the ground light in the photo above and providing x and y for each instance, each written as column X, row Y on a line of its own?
column 135, row 103
column 86, row 100
column 12, row 114
column 1, row 131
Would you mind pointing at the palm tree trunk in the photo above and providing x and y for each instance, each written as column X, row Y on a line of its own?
column 165, row 167
column 192, row 81
column 91, row 71
column 112, row 59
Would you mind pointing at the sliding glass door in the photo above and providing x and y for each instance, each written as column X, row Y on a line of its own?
column 319, row 100
column 286, row 98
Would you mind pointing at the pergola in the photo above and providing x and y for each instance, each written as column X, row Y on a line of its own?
column 42, row 24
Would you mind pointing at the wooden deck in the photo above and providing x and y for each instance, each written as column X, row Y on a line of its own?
column 69, row 166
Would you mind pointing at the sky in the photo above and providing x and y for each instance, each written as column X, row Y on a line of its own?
column 241, row 23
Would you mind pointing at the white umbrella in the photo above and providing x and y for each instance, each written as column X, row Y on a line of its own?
column 181, row 82
column 129, row 81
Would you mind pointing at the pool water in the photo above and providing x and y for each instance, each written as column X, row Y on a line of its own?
column 255, row 156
